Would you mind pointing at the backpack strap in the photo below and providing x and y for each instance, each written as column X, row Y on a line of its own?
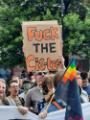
column 22, row 101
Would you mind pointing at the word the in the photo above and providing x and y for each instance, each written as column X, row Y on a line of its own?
column 45, row 47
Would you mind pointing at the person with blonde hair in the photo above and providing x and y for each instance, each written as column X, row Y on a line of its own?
column 3, row 100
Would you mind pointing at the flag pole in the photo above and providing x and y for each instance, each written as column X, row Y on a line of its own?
column 50, row 102
column 43, row 114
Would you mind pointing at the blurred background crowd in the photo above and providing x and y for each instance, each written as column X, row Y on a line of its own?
column 32, row 91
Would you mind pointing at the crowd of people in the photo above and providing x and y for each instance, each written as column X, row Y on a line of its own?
column 35, row 91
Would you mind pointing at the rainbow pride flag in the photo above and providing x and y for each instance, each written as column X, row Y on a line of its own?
column 70, row 72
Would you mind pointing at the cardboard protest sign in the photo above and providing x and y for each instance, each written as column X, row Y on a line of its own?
column 42, row 45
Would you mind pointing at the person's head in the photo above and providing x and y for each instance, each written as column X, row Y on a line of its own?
column 26, row 85
column 79, row 79
column 39, row 79
column 14, row 88
column 84, row 77
column 31, row 76
column 2, row 88
column 18, row 79
column 24, row 74
column 15, row 78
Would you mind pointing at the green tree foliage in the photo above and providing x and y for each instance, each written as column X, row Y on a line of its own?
column 14, row 12
column 77, row 37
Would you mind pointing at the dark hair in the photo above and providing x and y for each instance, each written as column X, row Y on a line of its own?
column 30, row 74
column 26, row 81
column 24, row 74
column 39, row 73
column 12, row 81
column 84, row 75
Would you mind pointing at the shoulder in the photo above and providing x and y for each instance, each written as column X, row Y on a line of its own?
column 34, row 89
column 30, row 92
